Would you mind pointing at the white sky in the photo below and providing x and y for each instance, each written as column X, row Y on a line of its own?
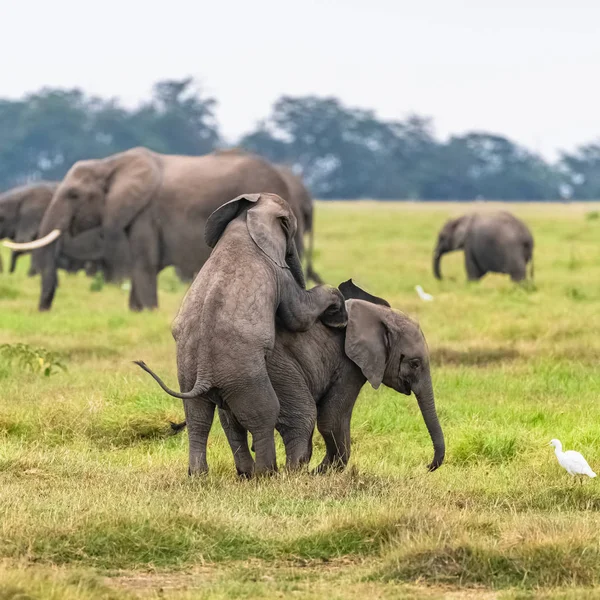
column 524, row 68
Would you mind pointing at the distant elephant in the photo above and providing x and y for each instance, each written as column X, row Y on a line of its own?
column 317, row 376
column 225, row 328
column 21, row 212
column 302, row 204
column 496, row 242
column 147, row 211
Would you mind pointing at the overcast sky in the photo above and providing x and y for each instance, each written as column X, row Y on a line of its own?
column 528, row 69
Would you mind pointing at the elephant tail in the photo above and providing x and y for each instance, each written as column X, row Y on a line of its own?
column 200, row 387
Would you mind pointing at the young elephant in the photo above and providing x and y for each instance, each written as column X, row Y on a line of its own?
column 318, row 375
column 496, row 242
column 225, row 328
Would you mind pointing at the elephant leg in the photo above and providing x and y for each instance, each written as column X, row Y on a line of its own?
column 237, row 437
column 299, row 309
column 297, row 418
column 474, row 271
column 199, row 414
column 144, row 269
column 256, row 408
column 334, row 414
column 13, row 260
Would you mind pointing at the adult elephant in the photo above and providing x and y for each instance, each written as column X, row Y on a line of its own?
column 302, row 204
column 21, row 212
column 139, row 212
column 496, row 242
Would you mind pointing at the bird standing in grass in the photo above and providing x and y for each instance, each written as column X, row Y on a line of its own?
column 571, row 461
column 423, row 294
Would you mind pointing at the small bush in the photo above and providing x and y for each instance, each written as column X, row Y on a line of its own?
column 28, row 358
column 593, row 215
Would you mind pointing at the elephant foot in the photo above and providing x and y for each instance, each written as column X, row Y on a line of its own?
column 336, row 465
column 197, row 471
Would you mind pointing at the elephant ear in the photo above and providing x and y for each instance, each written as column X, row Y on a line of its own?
column 272, row 225
column 351, row 291
column 367, row 340
column 220, row 218
column 133, row 179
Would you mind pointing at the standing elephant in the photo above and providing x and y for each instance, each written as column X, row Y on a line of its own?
column 225, row 328
column 140, row 212
column 21, row 212
column 302, row 204
column 496, row 242
column 317, row 376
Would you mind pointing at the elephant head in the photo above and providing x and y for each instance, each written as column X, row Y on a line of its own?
column 271, row 225
column 21, row 212
column 390, row 348
column 451, row 237
column 101, row 195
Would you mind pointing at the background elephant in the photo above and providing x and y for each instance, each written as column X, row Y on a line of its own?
column 21, row 212
column 225, row 327
column 496, row 242
column 317, row 376
column 303, row 206
column 147, row 211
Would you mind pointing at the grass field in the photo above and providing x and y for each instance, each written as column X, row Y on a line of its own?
column 94, row 497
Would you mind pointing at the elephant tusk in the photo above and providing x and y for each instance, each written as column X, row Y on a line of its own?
column 47, row 239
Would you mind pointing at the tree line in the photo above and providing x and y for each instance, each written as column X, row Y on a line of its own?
column 342, row 152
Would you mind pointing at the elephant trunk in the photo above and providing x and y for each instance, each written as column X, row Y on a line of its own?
column 437, row 257
column 427, row 405
column 44, row 262
column 293, row 262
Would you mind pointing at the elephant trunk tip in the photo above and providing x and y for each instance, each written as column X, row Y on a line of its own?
column 438, row 459
column 437, row 257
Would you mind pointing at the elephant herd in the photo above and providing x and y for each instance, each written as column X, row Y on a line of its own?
column 135, row 213
column 252, row 341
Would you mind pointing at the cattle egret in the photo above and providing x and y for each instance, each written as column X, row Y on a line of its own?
column 571, row 461
column 422, row 294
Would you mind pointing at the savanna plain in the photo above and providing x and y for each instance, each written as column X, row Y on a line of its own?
column 95, row 501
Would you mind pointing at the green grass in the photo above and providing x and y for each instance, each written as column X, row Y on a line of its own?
column 94, row 497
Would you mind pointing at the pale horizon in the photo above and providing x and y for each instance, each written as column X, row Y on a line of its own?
column 524, row 70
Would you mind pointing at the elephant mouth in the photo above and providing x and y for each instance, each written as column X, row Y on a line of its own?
column 404, row 387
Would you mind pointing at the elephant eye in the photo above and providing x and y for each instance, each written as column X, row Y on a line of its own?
column 414, row 363
column 72, row 194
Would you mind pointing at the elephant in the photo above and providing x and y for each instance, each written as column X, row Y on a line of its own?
column 225, row 327
column 496, row 242
column 302, row 205
column 318, row 374
column 21, row 212
column 139, row 212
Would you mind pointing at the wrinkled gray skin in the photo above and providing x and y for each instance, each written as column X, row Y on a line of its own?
column 317, row 376
column 225, row 328
column 302, row 204
column 493, row 242
column 21, row 212
column 141, row 211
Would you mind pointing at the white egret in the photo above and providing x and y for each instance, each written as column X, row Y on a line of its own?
column 573, row 462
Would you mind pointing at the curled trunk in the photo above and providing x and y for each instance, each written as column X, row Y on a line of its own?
column 437, row 257
column 427, row 405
